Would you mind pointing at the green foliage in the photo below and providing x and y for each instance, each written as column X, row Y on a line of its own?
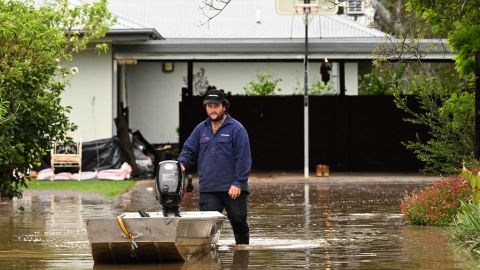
column 466, row 229
column 465, row 40
column 446, row 112
column 3, row 110
column 408, row 78
column 437, row 204
column 34, row 41
column 474, row 182
column 383, row 80
column 471, row 173
column 317, row 88
column 460, row 22
column 264, row 84
column 450, row 123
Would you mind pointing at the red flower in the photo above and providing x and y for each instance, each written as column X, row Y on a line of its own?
column 436, row 204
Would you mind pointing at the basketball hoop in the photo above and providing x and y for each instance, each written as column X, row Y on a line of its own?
column 315, row 7
column 301, row 8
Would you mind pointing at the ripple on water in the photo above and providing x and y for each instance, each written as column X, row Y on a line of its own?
column 272, row 244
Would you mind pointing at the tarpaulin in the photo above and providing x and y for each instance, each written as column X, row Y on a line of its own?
column 102, row 155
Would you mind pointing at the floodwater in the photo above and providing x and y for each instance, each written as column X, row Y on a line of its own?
column 293, row 226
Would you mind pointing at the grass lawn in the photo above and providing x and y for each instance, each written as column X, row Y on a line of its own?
column 107, row 188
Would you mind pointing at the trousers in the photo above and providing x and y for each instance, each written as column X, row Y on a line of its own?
column 237, row 210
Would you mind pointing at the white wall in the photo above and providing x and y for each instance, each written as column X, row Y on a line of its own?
column 351, row 79
column 153, row 100
column 90, row 95
column 233, row 77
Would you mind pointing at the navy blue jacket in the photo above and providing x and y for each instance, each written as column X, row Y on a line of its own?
column 223, row 158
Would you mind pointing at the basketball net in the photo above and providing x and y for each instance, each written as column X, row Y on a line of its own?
column 306, row 10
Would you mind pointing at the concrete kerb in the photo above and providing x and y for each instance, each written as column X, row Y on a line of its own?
column 340, row 177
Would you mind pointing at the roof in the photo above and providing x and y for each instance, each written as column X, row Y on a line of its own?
column 239, row 19
column 267, row 49
column 139, row 34
column 245, row 30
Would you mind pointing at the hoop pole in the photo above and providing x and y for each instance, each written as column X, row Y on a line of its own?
column 305, row 100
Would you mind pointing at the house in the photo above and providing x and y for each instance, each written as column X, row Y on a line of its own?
column 158, row 47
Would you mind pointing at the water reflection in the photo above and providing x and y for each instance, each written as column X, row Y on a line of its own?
column 308, row 226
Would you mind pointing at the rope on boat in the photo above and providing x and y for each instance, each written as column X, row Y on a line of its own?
column 128, row 235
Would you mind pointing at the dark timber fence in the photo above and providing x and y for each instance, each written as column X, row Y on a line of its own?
column 349, row 133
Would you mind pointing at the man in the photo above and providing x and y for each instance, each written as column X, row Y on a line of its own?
column 221, row 149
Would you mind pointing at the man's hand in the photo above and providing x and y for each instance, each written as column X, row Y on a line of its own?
column 182, row 167
column 234, row 192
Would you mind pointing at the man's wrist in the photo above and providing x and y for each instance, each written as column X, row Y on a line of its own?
column 237, row 185
column 182, row 166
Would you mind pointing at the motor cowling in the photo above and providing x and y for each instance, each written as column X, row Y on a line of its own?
column 169, row 187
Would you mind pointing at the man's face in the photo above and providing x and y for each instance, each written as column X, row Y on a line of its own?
column 216, row 112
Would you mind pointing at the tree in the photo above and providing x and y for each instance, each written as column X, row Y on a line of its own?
column 389, row 16
column 410, row 20
column 459, row 21
column 454, row 115
column 34, row 41
column 447, row 110
column 212, row 8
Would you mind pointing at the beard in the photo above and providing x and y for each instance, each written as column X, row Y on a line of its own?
column 217, row 117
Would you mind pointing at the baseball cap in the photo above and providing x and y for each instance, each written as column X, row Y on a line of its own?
column 214, row 96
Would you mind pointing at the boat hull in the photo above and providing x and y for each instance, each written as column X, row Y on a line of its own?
column 158, row 238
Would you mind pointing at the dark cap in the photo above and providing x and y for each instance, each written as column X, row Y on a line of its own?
column 214, row 96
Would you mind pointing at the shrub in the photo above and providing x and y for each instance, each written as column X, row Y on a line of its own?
column 449, row 119
column 265, row 84
column 446, row 110
column 385, row 80
column 471, row 173
column 466, row 228
column 36, row 38
column 317, row 88
column 437, row 204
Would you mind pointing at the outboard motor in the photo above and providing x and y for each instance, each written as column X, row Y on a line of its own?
column 169, row 187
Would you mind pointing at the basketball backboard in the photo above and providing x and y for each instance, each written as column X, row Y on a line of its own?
column 318, row 7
